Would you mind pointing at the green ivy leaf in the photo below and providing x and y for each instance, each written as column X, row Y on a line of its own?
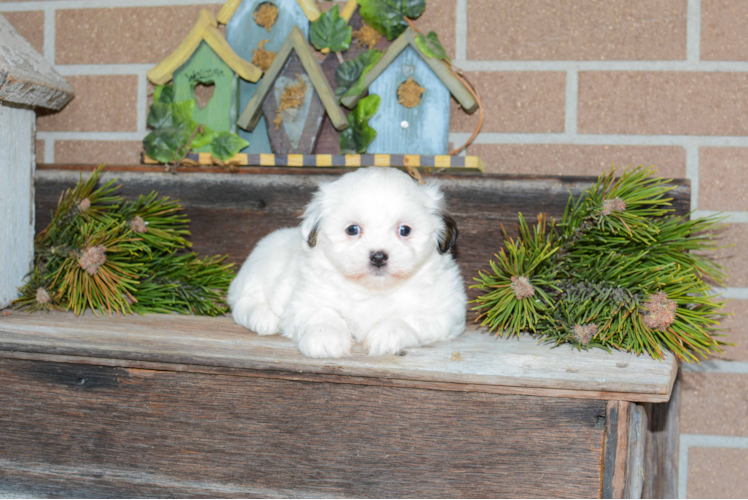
column 350, row 75
column 357, row 137
column 164, row 94
column 162, row 144
column 225, row 145
column 330, row 31
column 203, row 138
column 431, row 46
column 388, row 16
column 176, row 114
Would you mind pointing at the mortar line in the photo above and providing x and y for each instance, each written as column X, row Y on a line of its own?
column 693, row 31
column 50, row 13
column 101, row 4
column 572, row 99
column 92, row 136
column 717, row 366
column 732, row 217
column 654, row 66
column 692, row 172
column 461, row 10
column 702, row 441
column 731, row 293
column 102, row 69
column 142, row 102
column 604, row 139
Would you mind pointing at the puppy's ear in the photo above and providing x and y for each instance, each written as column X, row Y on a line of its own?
column 448, row 236
column 434, row 197
column 312, row 219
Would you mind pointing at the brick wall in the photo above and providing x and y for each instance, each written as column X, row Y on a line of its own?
column 569, row 88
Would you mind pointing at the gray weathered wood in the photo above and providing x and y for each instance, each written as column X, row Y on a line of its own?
column 484, row 362
column 300, row 128
column 17, row 160
column 230, row 213
column 82, row 431
column 661, row 456
column 26, row 78
column 637, row 445
column 296, row 42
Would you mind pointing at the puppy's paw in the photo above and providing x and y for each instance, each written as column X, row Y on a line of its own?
column 390, row 337
column 322, row 341
column 260, row 319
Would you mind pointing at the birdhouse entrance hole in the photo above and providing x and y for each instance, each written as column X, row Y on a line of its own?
column 409, row 93
column 265, row 15
column 203, row 93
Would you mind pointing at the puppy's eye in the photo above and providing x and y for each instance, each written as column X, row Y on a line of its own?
column 404, row 231
column 353, row 230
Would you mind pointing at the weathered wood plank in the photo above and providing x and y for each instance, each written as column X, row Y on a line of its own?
column 637, row 445
column 26, row 77
column 114, row 432
column 230, row 213
column 661, row 455
column 483, row 361
column 17, row 133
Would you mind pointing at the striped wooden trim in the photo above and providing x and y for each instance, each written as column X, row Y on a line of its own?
column 271, row 160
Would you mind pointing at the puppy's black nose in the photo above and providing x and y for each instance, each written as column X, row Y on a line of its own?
column 378, row 259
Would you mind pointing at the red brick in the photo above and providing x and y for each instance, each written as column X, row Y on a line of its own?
column 723, row 178
column 735, row 256
column 101, row 104
column 577, row 29
column 523, row 101
column 98, row 152
column 122, row 35
column 564, row 159
column 723, row 33
column 717, row 473
column 39, row 151
column 645, row 102
column 714, row 403
column 30, row 24
column 736, row 328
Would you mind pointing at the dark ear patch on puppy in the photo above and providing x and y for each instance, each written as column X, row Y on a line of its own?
column 312, row 239
column 448, row 239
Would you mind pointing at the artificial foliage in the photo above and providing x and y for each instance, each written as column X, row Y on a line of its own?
column 104, row 253
column 357, row 137
column 330, row 31
column 389, row 17
column 175, row 134
column 618, row 271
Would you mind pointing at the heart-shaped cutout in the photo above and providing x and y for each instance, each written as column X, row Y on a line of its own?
column 408, row 70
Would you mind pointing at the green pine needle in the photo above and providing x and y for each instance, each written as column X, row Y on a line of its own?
column 113, row 256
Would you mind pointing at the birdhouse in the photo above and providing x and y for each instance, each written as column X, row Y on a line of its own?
column 294, row 96
column 256, row 30
column 205, row 58
column 414, row 89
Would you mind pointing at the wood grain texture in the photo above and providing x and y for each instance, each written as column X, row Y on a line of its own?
column 143, row 433
column 456, row 88
column 661, row 451
column 296, row 42
column 17, row 134
column 243, row 35
column 521, row 365
column 206, row 67
column 26, row 77
column 637, row 445
column 426, row 129
column 312, row 110
column 230, row 213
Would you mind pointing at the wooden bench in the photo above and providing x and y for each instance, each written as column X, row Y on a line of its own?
column 175, row 406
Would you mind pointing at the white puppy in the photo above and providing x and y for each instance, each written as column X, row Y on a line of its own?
column 370, row 262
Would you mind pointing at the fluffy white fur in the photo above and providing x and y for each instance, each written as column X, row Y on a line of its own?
column 316, row 284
